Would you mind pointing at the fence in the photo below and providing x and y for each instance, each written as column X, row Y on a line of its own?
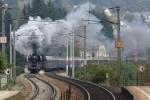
column 3, row 80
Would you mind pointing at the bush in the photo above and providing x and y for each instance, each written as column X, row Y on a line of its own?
column 100, row 77
column 97, row 73
column 128, row 73
column 3, row 63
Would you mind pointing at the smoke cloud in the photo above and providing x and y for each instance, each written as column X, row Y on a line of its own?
column 44, row 32
column 136, row 36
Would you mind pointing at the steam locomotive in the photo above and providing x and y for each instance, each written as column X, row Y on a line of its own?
column 35, row 63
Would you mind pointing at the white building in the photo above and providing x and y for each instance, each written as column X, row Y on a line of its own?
column 97, row 52
column 88, row 54
column 101, row 52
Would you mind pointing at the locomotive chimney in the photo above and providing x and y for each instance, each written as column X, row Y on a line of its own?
column 34, row 46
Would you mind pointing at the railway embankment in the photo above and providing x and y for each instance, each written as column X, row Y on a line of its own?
column 24, row 91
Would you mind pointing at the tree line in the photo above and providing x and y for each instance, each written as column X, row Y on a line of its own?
column 36, row 8
column 42, row 9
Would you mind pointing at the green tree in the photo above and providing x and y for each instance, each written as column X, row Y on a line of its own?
column 107, row 29
column 100, row 77
column 39, row 8
column 97, row 73
column 128, row 73
column 3, row 63
column 55, row 13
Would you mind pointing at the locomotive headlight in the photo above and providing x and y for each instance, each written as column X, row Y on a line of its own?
column 26, row 70
column 41, row 72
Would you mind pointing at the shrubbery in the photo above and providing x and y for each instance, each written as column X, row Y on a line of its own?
column 3, row 62
column 97, row 73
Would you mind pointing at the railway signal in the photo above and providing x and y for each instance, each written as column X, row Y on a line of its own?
column 7, row 71
column 141, row 68
column 118, row 44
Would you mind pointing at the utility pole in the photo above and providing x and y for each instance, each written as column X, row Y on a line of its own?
column 118, row 42
column 85, row 62
column 119, row 38
column 4, row 8
column 84, row 43
column 14, row 51
column 10, row 50
column 73, row 66
column 67, row 64
column 70, row 71
column 136, row 63
column 10, row 46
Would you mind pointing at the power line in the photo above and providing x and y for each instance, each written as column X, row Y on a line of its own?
column 74, row 35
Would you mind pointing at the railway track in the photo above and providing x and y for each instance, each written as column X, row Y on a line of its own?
column 41, row 90
column 89, row 90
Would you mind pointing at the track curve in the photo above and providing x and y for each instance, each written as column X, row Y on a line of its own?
column 42, row 90
column 91, row 91
column 35, row 88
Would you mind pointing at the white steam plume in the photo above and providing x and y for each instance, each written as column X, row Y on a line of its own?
column 135, row 34
column 136, row 37
column 39, row 31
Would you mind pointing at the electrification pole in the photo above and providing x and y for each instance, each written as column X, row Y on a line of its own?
column 67, row 64
column 84, row 44
column 70, row 71
column 10, row 50
column 4, row 8
column 85, row 62
column 118, row 41
column 85, row 50
column 14, row 51
column 10, row 46
column 73, row 66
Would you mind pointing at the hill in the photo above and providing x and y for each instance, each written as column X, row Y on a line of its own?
column 131, row 5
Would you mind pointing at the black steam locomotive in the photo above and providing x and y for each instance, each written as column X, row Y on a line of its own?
column 35, row 63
